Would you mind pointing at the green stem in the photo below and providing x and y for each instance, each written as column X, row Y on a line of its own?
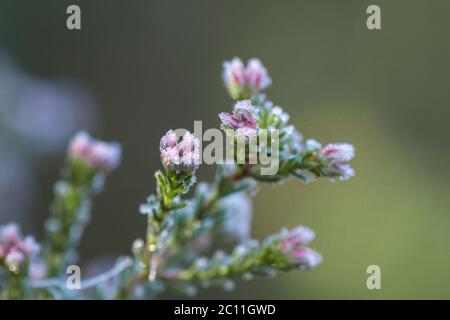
column 16, row 288
column 69, row 215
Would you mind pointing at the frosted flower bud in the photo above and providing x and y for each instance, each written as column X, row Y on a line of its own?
column 296, row 238
column 234, row 73
column 306, row 258
column 183, row 155
column 97, row 154
column 14, row 249
column 256, row 75
column 293, row 247
column 79, row 145
column 246, row 113
column 170, row 158
column 341, row 152
column 169, row 140
column 243, row 116
column 228, row 120
column 105, row 156
column 243, row 82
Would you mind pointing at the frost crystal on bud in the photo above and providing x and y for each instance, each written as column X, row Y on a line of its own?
column 97, row 154
column 243, row 82
column 341, row 152
column 183, row 155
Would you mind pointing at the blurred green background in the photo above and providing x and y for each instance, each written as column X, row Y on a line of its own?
column 155, row 65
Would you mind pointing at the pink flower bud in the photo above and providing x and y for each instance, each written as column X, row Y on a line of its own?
column 228, row 120
column 243, row 82
column 189, row 150
column 79, row 145
column 293, row 246
column 296, row 239
column 169, row 140
column 341, row 152
column 14, row 249
column 234, row 73
column 105, row 156
column 256, row 75
column 246, row 113
column 183, row 155
column 97, row 154
column 336, row 156
column 243, row 116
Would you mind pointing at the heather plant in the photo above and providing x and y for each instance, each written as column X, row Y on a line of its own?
column 178, row 249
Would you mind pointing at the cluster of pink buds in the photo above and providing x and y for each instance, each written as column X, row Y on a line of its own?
column 180, row 154
column 243, row 82
column 16, row 250
column 242, row 119
column 97, row 154
column 293, row 246
column 339, row 154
